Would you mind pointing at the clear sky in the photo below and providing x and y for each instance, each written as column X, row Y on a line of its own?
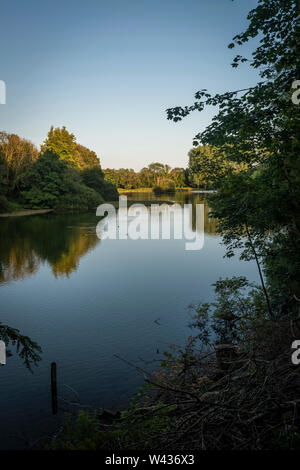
column 108, row 69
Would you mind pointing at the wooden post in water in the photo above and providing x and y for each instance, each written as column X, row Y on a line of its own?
column 53, row 388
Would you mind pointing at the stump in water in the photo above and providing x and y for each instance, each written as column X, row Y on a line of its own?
column 53, row 388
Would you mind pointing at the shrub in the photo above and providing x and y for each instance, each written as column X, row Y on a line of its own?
column 79, row 196
column 79, row 432
column 165, row 185
column 52, row 183
column 94, row 178
column 110, row 192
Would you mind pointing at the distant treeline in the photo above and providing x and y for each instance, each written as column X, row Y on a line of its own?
column 63, row 175
column 149, row 177
column 205, row 166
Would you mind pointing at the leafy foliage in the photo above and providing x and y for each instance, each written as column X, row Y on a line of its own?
column 164, row 185
column 28, row 350
column 258, row 128
column 65, row 175
column 79, row 432
column 52, row 183
column 208, row 167
column 16, row 157
column 237, row 302
column 62, row 143
column 94, row 179
column 148, row 177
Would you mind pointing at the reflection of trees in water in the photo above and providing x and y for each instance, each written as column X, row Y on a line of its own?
column 27, row 242
column 186, row 197
column 210, row 224
column 182, row 197
column 79, row 246
column 17, row 261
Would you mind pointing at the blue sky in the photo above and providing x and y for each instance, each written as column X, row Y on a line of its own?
column 108, row 69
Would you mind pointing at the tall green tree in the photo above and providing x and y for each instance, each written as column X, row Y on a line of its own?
column 62, row 143
column 87, row 159
column 178, row 175
column 16, row 157
column 78, row 157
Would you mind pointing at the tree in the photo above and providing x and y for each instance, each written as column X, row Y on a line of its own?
column 158, row 170
column 208, row 167
column 165, row 185
column 178, row 175
column 89, row 178
column 112, row 176
column 87, row 159
column 44, row 182
column 16, row 157
column 147, row 178
column 52, row 183
column 94, row 178
column 62, row 143
column 258, row 208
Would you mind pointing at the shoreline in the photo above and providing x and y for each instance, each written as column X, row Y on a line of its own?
column 148, row 190
column 26, row 212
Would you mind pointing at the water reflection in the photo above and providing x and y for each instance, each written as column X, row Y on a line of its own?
column 27, row 242
column 108, row 307
column 62, row 240
column 182, row 197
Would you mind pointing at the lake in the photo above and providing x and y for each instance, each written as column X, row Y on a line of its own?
column 85, row 300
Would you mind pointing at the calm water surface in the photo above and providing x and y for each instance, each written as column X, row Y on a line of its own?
column 85, row 300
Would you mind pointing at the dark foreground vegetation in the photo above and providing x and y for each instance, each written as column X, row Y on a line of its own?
column 234, row 396
column 234, row 385
column 62, row 176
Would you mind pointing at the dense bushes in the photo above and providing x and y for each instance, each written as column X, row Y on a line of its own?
column 51, row 183
column 4, row 206
column 80, row 432
column 94, row 178
column 148, row 177
column 78, row 197
column 16, row 156
column 165, row 185
column 238, row 396
column 65, row 175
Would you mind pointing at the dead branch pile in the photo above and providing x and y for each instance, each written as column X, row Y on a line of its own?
column 242, row 398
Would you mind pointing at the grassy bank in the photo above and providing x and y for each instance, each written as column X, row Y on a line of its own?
column 145, row 203
column 25, row 212
column 138, row 190
column 148, row 190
